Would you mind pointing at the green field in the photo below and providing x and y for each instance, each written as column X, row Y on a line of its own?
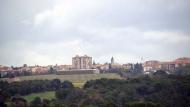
column 44, row 95
column 73, row 78
column 77, row 79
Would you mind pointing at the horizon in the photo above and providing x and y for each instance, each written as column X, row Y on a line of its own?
column 46, row 32
column 142, row 61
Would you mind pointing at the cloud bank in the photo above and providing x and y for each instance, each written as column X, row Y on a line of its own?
column 51, row 32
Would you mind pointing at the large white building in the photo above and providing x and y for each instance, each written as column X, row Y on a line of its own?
column 82, row 62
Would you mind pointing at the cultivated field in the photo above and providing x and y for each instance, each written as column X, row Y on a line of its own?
column 78, row 79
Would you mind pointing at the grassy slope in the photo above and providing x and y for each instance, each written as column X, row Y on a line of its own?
column 47, row 95
column 77, row 80
column 73, row 78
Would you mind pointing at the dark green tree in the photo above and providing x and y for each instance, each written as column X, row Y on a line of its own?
column 67, row 84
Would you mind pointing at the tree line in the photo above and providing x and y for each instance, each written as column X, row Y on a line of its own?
column 29, row 86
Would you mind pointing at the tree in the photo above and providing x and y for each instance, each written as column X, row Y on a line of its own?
column 138, row 68
column 67, row 84
column 62, row 93
column 143, row 104
column 36, row 102
column 55, row 84
column 75, row 97
column 51, row 70
column 3, row 97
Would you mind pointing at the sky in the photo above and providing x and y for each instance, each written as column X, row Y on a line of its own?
column 49, row 32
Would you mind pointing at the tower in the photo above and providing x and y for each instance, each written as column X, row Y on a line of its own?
column 112, row 60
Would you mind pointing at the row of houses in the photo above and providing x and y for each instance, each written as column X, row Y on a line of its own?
column 154, row 65
column 79, row 63
column 23, row 70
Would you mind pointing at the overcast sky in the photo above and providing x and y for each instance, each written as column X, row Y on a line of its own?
column 47, row 32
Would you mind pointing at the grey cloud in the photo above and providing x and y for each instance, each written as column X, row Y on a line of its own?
column 103, row 28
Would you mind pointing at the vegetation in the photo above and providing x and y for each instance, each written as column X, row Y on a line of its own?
column 139, row 92
column 145, row 91
column 172, row 91
column 183, row 70
column 31, row 86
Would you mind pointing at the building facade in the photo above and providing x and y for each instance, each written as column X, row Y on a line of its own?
column 181, row 61
column 151, row 65
column 167, row 66
column 154, row 65
column 82, row 62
